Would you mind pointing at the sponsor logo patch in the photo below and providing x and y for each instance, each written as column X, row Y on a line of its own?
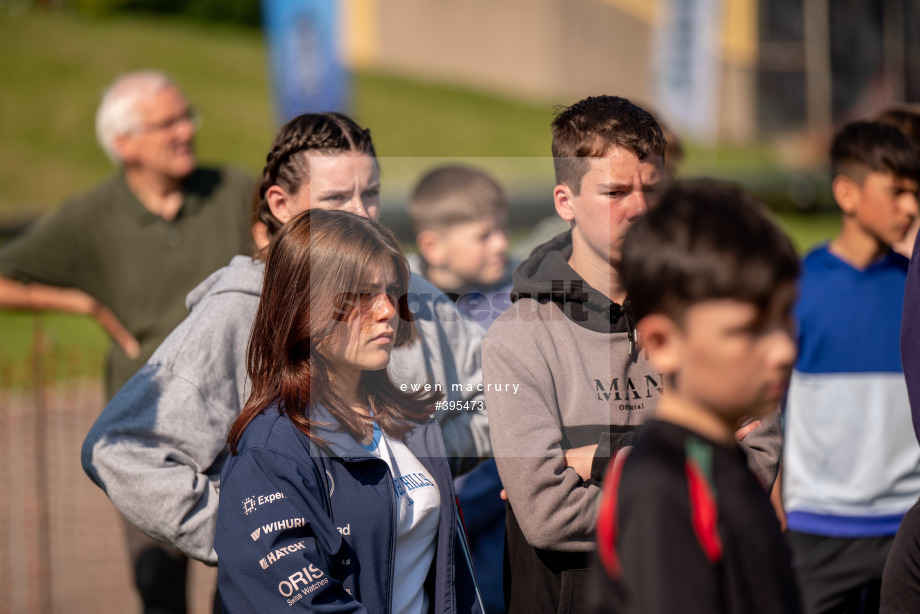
column 250, row 504
column 276, row 554
column 301, row 580
column 282, row 525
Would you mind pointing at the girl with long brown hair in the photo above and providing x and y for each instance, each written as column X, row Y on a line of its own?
column 337, row 492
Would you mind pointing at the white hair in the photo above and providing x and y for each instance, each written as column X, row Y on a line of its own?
column 117, row 113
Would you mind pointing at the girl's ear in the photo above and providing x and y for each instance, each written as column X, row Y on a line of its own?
column 662, row 339
column 280, row 203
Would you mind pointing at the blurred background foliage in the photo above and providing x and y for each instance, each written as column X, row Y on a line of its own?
column 241, row 12
column 59, row 56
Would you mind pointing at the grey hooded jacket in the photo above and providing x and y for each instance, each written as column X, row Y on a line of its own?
column 158, row 447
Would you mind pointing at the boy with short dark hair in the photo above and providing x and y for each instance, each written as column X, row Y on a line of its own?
column 684, row 526
column 851, row 464
column 905, row 118
column 460, row 214
column 565, row 387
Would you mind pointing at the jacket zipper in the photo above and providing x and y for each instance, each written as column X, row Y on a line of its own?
column 393, row 530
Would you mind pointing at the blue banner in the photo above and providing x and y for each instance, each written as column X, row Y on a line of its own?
column 307, row 72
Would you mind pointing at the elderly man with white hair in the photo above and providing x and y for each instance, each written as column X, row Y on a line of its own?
column 128, row 251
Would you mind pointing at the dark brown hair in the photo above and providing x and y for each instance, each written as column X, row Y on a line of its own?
column 906, row 119
column 286, row 164
column 862, row 146
column 449, row 195
column 316, row 266
column 704, row 241
column 588, row 129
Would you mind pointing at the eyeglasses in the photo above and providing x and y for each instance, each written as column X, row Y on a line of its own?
column 190, row 115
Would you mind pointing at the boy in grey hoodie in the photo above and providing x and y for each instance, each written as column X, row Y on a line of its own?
column 565, row 385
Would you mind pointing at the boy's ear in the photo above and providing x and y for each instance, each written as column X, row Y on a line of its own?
column 846, row 193
column 663, row 341
column 563, row 199
column 279, row 203
column 431, row 248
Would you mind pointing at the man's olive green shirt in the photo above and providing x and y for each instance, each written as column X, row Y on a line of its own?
column 139, row 265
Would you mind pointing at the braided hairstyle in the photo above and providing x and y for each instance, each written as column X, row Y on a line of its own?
column 286, row 164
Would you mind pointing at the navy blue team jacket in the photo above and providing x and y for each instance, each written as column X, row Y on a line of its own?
column 304, row 527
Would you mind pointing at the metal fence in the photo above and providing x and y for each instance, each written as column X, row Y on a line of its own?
column 62, row 547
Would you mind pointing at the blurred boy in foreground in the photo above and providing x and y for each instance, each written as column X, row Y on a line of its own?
column 684, row 525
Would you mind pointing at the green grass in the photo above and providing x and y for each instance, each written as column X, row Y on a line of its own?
column 809, row 229
column 413, row 118
column 68, row 346
column 55, row 65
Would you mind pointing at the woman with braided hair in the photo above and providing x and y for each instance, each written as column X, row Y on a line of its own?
column 158, row 447
column 319, row 160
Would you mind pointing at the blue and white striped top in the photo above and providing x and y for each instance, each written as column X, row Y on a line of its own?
column 851, row 460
